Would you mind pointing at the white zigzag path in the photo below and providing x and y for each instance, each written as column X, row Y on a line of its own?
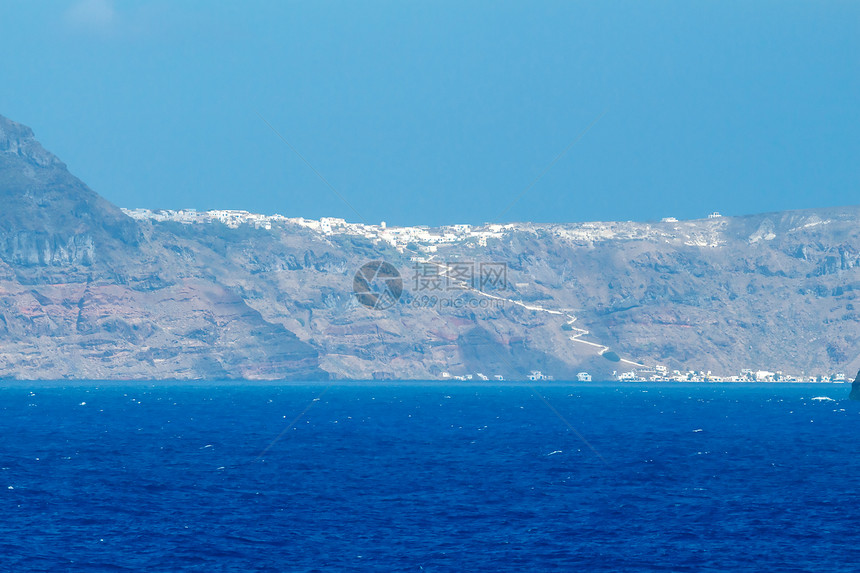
column 579, row 332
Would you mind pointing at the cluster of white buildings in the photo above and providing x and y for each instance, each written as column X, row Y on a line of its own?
column 537, row 375
column 423, row 240
column 534, row 376
column 476, row 376
column 661, row 374
column 232, row 219
column 426, row 238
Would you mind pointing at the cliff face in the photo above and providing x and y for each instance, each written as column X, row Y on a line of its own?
column 855, row 388
column 87, row 292
column 83, row 294
column 772, row 292
column 49, row 217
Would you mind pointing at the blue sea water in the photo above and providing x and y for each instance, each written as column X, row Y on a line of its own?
column 429, row 478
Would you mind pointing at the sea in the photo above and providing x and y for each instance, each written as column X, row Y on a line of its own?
column 429, row 477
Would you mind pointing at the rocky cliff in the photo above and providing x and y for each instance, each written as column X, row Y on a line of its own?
column 84, row 293
column 88, row 292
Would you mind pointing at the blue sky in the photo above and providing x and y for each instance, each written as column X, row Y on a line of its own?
column 444, row 112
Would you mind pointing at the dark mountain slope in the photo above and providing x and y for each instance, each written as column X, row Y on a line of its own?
column 85, row 294
column 48, row 216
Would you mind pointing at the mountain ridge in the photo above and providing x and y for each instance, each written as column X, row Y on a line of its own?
column 83, row 292
column 88, row 290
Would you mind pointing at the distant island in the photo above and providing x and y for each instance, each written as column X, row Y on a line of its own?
column 92, row 291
